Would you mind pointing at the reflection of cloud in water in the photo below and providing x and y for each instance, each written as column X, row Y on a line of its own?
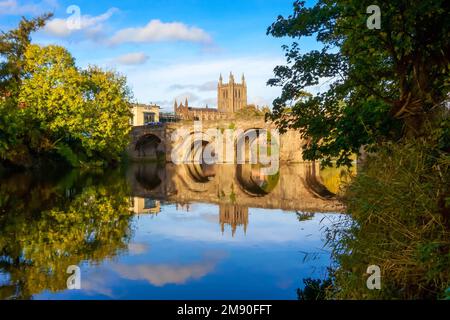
column 162, row 274
column 135, row 249
column 98, row 282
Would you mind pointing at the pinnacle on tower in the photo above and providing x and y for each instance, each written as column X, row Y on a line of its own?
column 243, row 79
column 231, row 77
column 220, row 79
column 186, row 103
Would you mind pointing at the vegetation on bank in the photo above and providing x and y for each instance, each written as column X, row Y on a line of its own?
column 400, row 221
column 50, row 109
column 387, row 92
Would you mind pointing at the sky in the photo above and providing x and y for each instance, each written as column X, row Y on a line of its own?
column 167, row 49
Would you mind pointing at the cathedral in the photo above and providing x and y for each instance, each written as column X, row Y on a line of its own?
column 231, row 97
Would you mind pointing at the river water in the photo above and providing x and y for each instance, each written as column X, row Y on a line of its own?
column 165, row 232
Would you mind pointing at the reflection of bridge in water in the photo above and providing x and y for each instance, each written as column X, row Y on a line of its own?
column 235, row 188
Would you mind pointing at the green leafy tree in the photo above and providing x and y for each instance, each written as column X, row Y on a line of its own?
column 106, row 117
column 383, row 83
column 13, row 45
column 52, row 97
column 50, row 108
column 80, row 114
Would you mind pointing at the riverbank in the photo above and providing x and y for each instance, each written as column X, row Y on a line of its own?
column 399, row 205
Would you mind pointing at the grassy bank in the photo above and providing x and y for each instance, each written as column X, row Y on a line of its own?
column 399, row 205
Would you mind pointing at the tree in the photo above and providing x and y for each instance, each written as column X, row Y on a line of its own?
column 13, row 45
column 51, row 97
column 48, row 106
column 106, row 113
column 384, row 84
column 83, row 115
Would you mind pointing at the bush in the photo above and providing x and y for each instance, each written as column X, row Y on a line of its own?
column 399, row 207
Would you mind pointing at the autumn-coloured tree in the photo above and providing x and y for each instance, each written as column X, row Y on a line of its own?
column 50, row 108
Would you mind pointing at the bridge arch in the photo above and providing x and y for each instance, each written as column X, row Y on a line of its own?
column 195, row 148
column 149, row 145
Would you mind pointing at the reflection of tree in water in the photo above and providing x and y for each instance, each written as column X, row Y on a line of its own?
column 45, row 227
column 304, row 216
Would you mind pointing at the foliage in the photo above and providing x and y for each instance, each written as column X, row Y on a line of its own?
column 11, row 125
column 381, row 84
column 13, row 45
column 249, row 111
column 87, row 110
column 314, row 289
column 107, row 113
column 400, row 221
column 59, row 110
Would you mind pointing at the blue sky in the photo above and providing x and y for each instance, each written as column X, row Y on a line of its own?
column 167, row 49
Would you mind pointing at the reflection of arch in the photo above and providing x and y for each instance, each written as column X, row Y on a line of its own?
column 147, row 177
column 253, row 182
column 201, row 173
column 147, row 145
column 195, row 177
column 314, row 184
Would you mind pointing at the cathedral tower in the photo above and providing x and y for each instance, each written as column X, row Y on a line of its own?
column 231, row 96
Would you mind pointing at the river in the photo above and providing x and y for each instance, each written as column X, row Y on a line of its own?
column 153, row 231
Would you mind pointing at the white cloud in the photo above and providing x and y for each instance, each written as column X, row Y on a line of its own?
column 207, row 86
column 13, row 7
column 191, row 97
column 261, row 101
column 156, row 31
column 134, row 58
column 90, row 26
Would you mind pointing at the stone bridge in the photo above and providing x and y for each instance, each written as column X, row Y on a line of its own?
column 158, row 143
